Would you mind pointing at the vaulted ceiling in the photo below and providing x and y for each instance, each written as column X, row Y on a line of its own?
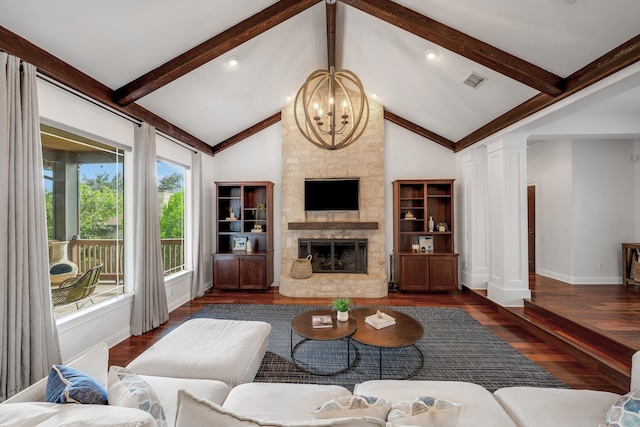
column 165, row 62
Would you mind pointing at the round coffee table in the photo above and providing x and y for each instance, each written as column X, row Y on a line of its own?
column 406, row 332
column 302, row 326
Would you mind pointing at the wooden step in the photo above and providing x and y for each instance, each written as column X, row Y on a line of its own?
column 604, row 354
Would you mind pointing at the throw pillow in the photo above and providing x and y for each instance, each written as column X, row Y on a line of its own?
column 194, row 411
column 125, row 388
column 353, row 406
column 69, row 385
column 425, row 411
column 626, row 411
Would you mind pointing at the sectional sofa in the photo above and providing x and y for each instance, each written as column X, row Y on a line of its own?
column 201, row 374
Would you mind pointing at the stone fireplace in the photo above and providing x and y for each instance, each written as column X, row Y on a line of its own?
column 364, row 159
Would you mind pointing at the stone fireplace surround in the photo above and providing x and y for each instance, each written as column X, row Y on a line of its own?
column 364, row 159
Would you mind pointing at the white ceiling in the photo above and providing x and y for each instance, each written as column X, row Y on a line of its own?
column 117, row 41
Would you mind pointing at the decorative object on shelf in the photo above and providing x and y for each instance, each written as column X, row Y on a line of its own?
column 415, row 245
column 249, row 246
column 430, row 223
column 409, row 215
column 635, row 266
column 256, row 229
column 301, row 268
column 261, row 211
column 442, row 226
column 232, row 215
column 320, row 93
column 342, row 306
column 240, row 243
column 426, row 244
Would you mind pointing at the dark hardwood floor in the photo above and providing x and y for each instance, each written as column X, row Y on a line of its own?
column 613, row 309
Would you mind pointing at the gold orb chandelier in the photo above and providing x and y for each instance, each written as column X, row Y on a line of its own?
column 331, row 108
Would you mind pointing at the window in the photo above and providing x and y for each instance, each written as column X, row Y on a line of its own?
column 171, row 200
column 84, row 194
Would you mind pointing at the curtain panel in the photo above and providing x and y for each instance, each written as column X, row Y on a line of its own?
column 150, row 308
column 29, row 343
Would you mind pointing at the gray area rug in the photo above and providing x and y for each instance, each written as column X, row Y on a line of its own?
column 455, row 347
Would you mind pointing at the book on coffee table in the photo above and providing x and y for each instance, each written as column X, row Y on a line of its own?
column 323, row 321
column 380, row 322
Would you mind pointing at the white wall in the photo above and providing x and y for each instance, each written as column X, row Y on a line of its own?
column 549, row 168
column 586, row 206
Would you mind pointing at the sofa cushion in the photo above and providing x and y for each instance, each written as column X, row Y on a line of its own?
column 167, row 390
column 194, row 411
column 227, row 350
column 479, row 408
column 353, row 406
column 425, row 411
column 280, row 401
column 626, row 411
column 124, row 388
column 43, row 414
column 547, row 407
column 69, row 385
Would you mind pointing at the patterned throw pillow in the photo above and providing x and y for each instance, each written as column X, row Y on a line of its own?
column 125, row 388
column 626, row 411
column 69, row 385
column 425, row 411
column 353, row 406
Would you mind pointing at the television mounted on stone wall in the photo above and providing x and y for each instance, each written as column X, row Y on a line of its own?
column 332, row 194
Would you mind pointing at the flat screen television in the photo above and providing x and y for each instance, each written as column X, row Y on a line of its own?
column 334, row 194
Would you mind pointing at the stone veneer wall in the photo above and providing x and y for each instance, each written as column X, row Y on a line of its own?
column 364, row 159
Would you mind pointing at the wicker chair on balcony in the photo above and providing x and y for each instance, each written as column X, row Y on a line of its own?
column 77, row 288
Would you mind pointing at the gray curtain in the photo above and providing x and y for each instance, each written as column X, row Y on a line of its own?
column 150, row 308
column 197, row 282
column 29, row 337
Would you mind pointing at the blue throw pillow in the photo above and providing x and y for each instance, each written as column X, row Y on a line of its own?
column 69, row 385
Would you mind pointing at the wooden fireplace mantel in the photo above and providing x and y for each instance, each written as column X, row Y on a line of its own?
column 333, row 225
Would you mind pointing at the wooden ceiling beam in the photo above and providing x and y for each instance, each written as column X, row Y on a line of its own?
column 247, row 133
column 617, row 59
column 59, row 71
column 419, row 130
column 462, row 44
column 211, row 49
column 331, row 34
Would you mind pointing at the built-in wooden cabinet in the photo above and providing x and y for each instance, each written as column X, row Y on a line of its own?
column 424, row 258
column 244, row 235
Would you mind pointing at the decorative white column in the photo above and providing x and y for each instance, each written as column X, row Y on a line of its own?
column 475, row 248
column 507, row 213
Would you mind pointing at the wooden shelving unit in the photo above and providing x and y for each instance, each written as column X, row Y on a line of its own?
column 627, row 258
column 242, row 209
column 414, row 202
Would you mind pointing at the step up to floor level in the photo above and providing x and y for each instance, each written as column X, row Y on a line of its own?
column 605, row 354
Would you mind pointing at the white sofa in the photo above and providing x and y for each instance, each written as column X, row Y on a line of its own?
column 212, row 402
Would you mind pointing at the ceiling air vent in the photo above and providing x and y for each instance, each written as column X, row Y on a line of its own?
column 474, row 80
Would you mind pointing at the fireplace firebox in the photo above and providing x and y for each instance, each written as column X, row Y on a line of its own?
column 335, row 255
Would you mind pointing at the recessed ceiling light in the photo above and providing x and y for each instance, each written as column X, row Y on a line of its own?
column 289, row 98
column 233, row 61
column 374, row 95
column 431, row 54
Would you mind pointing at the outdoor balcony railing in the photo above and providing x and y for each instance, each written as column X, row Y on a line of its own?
column 86, row 253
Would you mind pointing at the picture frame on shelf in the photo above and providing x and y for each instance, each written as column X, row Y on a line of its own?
column 240, row 243
column 426, row 244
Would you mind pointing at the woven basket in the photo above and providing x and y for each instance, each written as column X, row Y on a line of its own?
column 301, row 268
column 635, row 266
